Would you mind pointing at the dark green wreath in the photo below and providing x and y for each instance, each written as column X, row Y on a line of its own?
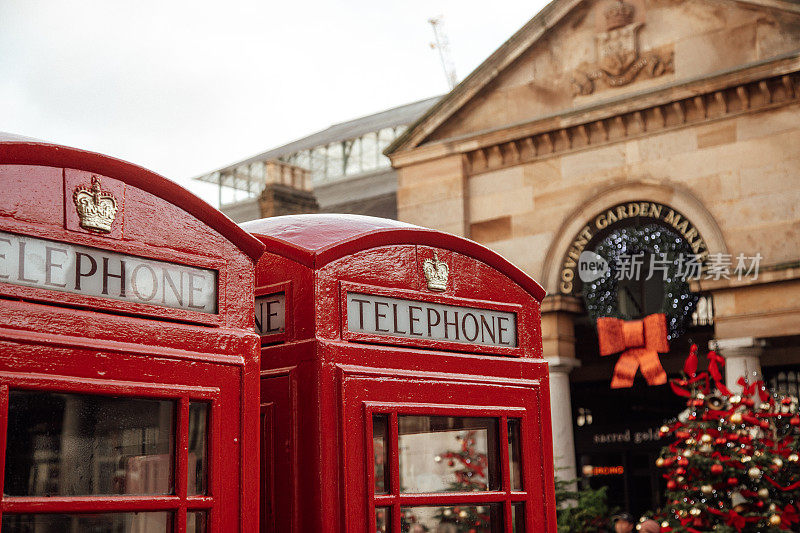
column 679, row 302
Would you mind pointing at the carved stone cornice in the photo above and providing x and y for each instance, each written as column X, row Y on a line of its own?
column 700, row 108
column 675, row 105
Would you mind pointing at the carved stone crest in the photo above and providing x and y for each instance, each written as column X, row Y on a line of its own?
column 619, row 61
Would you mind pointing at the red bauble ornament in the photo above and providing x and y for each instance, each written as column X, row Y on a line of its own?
column 680, row 471
column 733, row 481
column 795, row 421
column 671, row 484
column 716, row 469
column 683, row 461
column 720, row 441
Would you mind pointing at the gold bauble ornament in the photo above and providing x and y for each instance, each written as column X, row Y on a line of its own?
column 660, row 462
column 664, row 524
column 754, row 472
column 680, row 479
column 793, row 458
column 690, row 442
column 687, row 453
column 664, row 429
column 682, row 513
column 706, row 448
column 463, row 514
column 706, row 438
column 777, row 462
column 774, row 520
column 763, row 493
column 773, row 507
column 694, row 511
column 746, row 459
column 764, row 407
column 701, row 396
column 758, row 453
column 736, row 398
column 715, row 402
column 736, row 418
column 706, row 489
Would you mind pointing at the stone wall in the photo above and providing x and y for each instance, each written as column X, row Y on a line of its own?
column 744, row 172
column 692, row 38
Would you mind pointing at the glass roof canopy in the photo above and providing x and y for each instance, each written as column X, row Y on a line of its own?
column 344, row 150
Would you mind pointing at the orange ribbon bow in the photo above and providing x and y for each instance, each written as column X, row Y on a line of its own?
column 640, row 342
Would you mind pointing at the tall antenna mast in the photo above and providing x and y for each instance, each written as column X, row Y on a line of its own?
column 442, row 43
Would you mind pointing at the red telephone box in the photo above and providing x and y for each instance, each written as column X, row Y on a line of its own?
column 403, row 387
column 128, row 362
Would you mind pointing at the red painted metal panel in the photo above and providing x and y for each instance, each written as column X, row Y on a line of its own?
column 342, row 376
column 316, row 240
column 91, row 345
column 15, row 150
column 278, row 472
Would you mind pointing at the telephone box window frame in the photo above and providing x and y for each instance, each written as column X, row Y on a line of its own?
column 394, row 499
column 179, row 504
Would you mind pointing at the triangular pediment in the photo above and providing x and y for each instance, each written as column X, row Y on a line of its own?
column 582, row 53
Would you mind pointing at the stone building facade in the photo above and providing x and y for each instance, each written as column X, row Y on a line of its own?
column 599, row 117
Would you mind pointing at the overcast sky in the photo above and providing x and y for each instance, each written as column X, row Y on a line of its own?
column 185, row 87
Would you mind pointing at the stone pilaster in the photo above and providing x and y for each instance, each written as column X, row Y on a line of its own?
column 561, row 416
column 742, row 358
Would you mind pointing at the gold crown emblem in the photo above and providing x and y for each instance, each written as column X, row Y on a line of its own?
column 96, row 208
column 436, row 273
column 618, row 14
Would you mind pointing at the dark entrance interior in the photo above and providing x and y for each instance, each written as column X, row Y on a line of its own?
column 617, row 441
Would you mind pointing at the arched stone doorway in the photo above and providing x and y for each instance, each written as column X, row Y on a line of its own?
column 615, row 431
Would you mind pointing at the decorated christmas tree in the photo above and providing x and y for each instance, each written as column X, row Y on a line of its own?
column 733, row 465
column 471, row 473
column 469, row 468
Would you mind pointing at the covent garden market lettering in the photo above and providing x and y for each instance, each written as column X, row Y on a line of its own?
column 649, row 211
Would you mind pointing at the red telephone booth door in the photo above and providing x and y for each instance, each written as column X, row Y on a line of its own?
column 433, row 464
column 128, row 361
column 402, row 384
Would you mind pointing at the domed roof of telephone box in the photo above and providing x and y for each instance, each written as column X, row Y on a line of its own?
column 316, row 240
column 20, row 150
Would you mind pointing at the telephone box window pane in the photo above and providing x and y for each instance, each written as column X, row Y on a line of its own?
column 198, row 448
column 152, row 522
column 380, row 436
column 453, row 519
column 382, row 520
column 518, row 517
column 448, row 454
column 514, row 464
column 196, row 522
column 72, row 445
